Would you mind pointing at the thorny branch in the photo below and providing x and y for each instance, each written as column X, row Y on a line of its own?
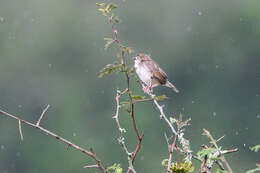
column 37, row 126
column 132, row 156
column 162, row 114
column 173, row 146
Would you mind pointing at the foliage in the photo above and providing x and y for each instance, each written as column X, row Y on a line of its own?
column 255, row 148
column 110, row 68
column 254, row 170
column 179, row 167
column 114, row 169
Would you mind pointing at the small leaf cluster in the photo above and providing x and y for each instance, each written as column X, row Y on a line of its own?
column 114, row 169
column 208, row 152
column 255, row 148
column 110, row 68
column 257, row 169
column 107, row 10
column 179, row 167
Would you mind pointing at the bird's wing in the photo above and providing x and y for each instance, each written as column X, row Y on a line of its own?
column 157, row 72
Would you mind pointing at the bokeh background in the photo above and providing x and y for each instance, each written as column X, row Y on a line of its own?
column 52, row 50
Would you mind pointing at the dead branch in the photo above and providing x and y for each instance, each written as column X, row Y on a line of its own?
column 89, row 153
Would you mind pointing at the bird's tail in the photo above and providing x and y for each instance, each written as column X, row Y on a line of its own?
column 170, row 85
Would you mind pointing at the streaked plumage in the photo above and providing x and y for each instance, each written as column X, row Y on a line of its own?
column 150, row 73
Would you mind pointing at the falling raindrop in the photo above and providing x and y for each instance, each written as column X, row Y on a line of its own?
column 236, row 132
column 258, row 116
column 244, row 145
column 2, row 19
column 74, row 134
column 20, row 106
column 142, row 158
column 102, row 92
column 200, row 13
column 18, row 154
column 50, row 65
column 217, row 66
column 214, row 114
column 192, row 101
column 86, row 70
column 246, row 128
column 189, row 29
column 2, row 147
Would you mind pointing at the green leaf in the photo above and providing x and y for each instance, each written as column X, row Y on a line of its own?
column 110, row 7
column 255, row 148
column 173, row 120
column 126, row 49
column 253, row 170
column 100, row 5
column 162, row 97
column 108, row 43
column 104, row 12
column 109, row 69
column 201, row 154
column 116, row 20
column 138, row 97
column 115, row 169
column 126, row 106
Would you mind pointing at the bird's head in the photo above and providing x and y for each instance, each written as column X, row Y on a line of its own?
column 141, row 57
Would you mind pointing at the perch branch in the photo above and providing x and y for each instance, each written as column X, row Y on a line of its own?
column 89, row 153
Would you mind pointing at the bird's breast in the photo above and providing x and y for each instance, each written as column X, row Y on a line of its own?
column 144, row 74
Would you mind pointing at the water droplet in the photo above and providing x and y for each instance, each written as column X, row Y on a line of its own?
column 192, row 101
column 236, row 133
column 244, row 145
column 217, row 66
column 2, row 147
column 20, row 106
column 189, row 29
column 214, row 114
column 50, row 65
column 74, row 134
column 18, row 154
column 2, row 19
column 258, row 116
column 142, row 158
column 200, row 13
column 246, row 128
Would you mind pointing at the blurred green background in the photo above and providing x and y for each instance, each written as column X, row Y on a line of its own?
column 52, row 50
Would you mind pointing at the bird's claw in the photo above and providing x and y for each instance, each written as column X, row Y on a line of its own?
column 147, row 89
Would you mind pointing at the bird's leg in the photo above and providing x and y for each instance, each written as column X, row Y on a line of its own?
column 146, row 89
column 154, row 85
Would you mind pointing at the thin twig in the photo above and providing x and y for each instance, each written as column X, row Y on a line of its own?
column 43, row 112
column 20, row 130
column 170, row 154
column 89, row 153
column 142, row 100
column 91, row 166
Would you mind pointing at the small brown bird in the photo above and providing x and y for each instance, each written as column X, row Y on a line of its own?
column 150, row 73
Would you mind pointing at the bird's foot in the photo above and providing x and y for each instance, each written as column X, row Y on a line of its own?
column 147, row 89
